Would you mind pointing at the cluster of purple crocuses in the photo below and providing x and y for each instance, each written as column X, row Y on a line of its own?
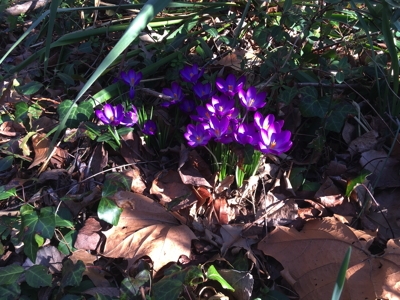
column 219, row 116
column 116, row 115
column 223, row 120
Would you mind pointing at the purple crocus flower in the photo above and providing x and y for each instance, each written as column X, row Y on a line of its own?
column 111, row 115
column 187, row 105
column 203, row 91
column 273, row 140
column 230, row 86
column 252, row 100
column 247, row 134
column 197, row 135
column 149, row 127
column 222, row 106
column 203, row 114
column 175, row 92
column 132, row 79
column 130, row 117
column 218, row 127
column 263, row 123
column 191, row 73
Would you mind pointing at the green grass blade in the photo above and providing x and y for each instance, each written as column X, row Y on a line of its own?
column 389, row 40
column 52, row 19
column 146, row 14
column 337, row 291
column 22, row 37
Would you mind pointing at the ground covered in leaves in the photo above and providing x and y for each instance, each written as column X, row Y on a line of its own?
column 138, row 213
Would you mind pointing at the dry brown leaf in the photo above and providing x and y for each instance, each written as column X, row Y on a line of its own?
column 232, row 237
column 51, row 258
column 11, row 128
column 312, row 259
column 386, row 218
column 277, row 209
column 193, row 169
column 145, row 228
column 88, row 237
column 363, row 143
column 168, row 186
column 384, row 168
column 41, row 146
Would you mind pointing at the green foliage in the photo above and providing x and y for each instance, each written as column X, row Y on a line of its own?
column 74, row 113
column 72, row 273
column 213, row 274
column 10, row 274
column 360, row 179
column 37, row 226
column 30, row 88
column 107, row 210
column 341, row 276
column 38, row 276
column 172, row 284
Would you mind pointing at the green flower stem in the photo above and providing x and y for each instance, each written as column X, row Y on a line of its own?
column 115, row 134
column 214, row 157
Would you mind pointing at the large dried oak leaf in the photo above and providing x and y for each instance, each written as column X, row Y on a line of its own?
column 146, row 228
column 312, row 257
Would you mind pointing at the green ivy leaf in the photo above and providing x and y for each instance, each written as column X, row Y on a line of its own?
column 21, row 111
column 310, row 105
column 36, row 227
column 108, row 211
column 64, row 218
column 30, row 246
column 167, row 288
column 68, row 80
column 337, row 117
column 131, row 286
column 116, row 182
column 260, row 35
column 5, row 194
column 10, row 274
column 79, row 113
column 30, row 88
column 72, row 273
column 66, row 245
column 35, row 110
column 360, row 179
column 38, row 276
column 213, row 274
column 287, row 95
column 10, row 291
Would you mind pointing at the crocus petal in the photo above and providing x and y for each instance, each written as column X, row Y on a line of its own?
column 100, row 115
column 132, row 92
column 108, row 110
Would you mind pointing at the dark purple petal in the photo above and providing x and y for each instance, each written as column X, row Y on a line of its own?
column 230, row 86
column 196, row 135
column 191, row 73
column 100, row 115
column 130, row 118
column 132, row 92
column 247, row 134
column 111, row 115
column 149, row 127
column 175, row 92
column 252, row 100
column 187, row 105
column 203, row 114
column 203, row 91
column 218, row 127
